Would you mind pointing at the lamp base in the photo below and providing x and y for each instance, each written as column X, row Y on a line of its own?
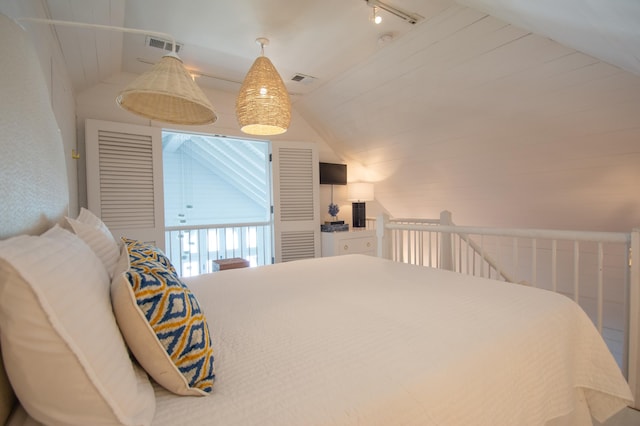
column 358, row 215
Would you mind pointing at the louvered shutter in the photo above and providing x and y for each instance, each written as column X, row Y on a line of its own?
column 124, row 179
column 296, row 200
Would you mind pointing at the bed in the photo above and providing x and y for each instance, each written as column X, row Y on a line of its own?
column 350, row 340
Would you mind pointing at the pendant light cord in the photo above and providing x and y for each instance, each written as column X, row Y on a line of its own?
column 262, row 41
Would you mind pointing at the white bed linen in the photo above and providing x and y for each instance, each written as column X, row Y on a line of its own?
column 360, row 340
column 356, row 340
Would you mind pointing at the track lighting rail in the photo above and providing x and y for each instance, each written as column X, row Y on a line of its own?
column 412, row 18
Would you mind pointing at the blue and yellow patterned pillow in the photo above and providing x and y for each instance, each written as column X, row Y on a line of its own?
column 141, row 251
column 162, row 323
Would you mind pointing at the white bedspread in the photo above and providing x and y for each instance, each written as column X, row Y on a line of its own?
column 356, row 340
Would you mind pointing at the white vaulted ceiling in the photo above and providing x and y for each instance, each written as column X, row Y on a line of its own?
column 506, row 112
column 499, row 125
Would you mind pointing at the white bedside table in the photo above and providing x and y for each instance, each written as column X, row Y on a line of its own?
column 349, row 242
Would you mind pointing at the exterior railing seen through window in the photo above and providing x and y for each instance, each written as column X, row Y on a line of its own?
column 192, row 250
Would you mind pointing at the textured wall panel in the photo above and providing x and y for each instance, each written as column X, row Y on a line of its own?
column 33, row 183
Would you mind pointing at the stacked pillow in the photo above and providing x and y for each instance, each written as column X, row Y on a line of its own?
column 63, row 346
column 63, row 351
column 95, row 233
column 159, row 317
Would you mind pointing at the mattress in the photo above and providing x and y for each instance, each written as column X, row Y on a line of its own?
column 357, row 340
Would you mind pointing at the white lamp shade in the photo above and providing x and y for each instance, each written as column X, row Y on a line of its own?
column 360, row 191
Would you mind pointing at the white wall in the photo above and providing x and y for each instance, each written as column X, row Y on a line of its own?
column 58, row 82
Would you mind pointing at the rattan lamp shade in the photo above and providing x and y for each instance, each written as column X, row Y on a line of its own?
column 263, row 106
column 168, row 93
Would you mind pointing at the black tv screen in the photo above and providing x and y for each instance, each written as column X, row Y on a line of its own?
column 333, row 174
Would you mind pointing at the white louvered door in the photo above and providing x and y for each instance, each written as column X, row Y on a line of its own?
column 124, row 179
column 295, row 200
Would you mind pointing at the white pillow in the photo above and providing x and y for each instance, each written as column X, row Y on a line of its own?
column 96, row 234
column 62, row 348
column 87, row 216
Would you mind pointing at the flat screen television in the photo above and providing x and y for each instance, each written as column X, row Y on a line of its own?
column 333, row 174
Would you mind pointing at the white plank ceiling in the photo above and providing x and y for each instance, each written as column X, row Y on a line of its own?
column 498, row 125
column 507, row 113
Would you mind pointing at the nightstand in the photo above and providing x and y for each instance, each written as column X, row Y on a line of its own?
column 349, row 242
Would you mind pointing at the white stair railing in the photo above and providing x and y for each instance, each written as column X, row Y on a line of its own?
column 426, row 245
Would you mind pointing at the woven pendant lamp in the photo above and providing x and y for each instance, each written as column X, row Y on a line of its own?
column 167, row 93
column 263, row 106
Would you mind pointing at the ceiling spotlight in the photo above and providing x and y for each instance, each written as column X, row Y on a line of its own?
column 412, row 18
column 376, row 18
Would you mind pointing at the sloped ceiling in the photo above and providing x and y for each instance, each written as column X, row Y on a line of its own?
column 507, row 113
column 606, row 29
column 501, row 126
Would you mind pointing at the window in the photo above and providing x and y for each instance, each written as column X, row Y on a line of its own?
column 126, row 187
column 217, row 200
column 214, row 180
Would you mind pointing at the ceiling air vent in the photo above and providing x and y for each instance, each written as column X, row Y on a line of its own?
column 159, row 43
column 304, row 79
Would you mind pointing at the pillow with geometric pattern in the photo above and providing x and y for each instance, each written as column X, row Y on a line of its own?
column 162, row 322
column 141, row 251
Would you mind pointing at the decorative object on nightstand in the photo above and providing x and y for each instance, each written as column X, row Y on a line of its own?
column 358, row 193
column 333, row 211
column 333, row 208
column 333, row 174
column 335, row 225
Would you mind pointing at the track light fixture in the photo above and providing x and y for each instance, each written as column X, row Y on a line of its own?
column 412, row 18
column 376, row 18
